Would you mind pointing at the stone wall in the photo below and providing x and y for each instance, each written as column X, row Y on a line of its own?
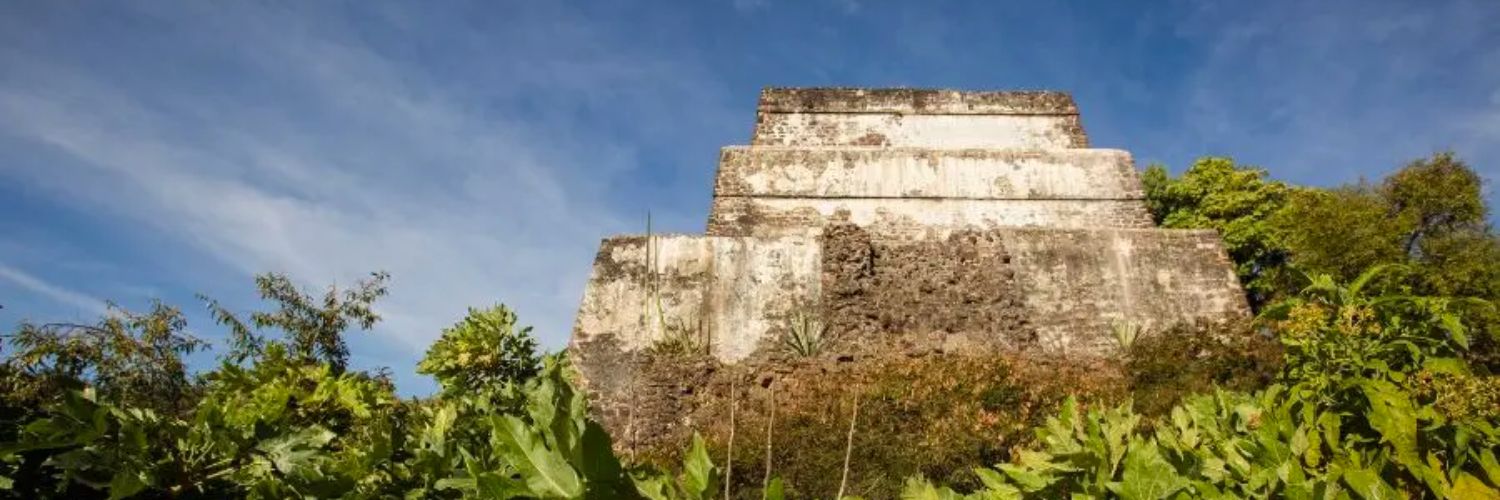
column 727, row 291
column 1044, row 290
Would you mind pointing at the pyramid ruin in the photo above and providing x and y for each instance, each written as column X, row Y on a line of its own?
column 900, row 219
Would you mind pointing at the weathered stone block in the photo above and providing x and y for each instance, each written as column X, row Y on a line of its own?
column 727, row 291
column 736, row 216
column 917, row 117
column 980, row 174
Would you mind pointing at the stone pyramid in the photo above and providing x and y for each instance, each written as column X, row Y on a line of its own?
column 895, row 218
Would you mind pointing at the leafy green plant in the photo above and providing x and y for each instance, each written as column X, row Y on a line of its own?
column 484, row 350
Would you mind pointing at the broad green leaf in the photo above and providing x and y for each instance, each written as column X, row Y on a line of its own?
column 991, row 479
column 1455, row 328
column 1147, row 475
column 602, row 474
column 545, row 471
column 500, row 486
column 699, row 476
column 1469, row 487
column 456, row 483
column 653, row 487
column 1490, row 465
column 1391, row 414
column 1029, row 481
column 1449, row 366
column 918, row 488
column 290, row 453
column 1368, row 484
column 1328, row 424
column 774, row 491
column 125, row 484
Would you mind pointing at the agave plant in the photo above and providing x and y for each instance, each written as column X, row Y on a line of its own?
column 1125, row 333
column 805, row 335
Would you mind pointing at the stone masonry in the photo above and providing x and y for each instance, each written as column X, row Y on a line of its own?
column 960, row 219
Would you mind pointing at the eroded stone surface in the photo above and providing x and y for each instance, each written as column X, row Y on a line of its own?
column 730, row 292
column 937, row 131
column 987, row 174
column 770, row 217
column 917, row 117
column 915, row 101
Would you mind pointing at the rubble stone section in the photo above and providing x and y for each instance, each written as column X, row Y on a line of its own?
column 903, row 220
column 1055, row 289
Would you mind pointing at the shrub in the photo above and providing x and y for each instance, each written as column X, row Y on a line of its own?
column 935, row 414
column 484, row 350
column 1166, row 367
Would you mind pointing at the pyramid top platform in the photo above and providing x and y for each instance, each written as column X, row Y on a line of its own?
column 911, row 101
column 903, row 117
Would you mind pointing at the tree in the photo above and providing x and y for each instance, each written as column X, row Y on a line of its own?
column 1238, row 201
column 314, row 326
column 1339, row 231
column 1433, row 196
column 484, row 349
column 129, row 357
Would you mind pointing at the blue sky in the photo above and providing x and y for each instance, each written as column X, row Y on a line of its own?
column 479, row 151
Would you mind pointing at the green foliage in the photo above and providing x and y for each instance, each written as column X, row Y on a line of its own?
column 128, row 357
column 1238, row 201
column 314, row 326
column 937, row 415
column 1340, row 232
column 285, row 419
column 484, row 350
column 1166, row 367
column 1434, row 195
column 1429, row 216
column 1356, row 413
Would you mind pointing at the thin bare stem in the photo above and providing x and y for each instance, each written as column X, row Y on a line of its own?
column 729, row 458
column 630, row 413
column 848, row 448
column 765, row 481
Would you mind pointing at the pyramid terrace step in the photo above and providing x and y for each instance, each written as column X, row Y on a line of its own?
column 873, row 172
column 773, row 217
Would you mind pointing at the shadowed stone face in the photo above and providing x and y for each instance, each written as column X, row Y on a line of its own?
column 899, row 219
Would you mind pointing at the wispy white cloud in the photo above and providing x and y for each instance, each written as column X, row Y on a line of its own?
column 1332, row 91
column 334, row 156
column 60, row 294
